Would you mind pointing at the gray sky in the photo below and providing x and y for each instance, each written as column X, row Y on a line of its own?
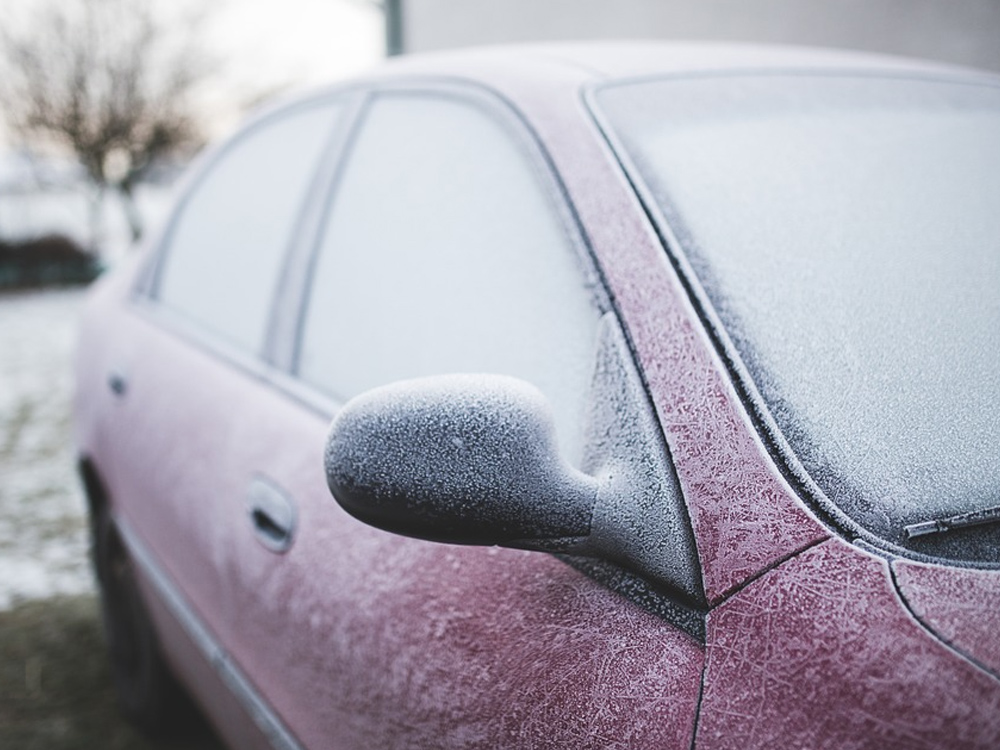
column 265, row 44
column 306, row 41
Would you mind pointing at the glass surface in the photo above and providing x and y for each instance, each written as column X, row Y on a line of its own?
column 847, row 234
column 228, row 242
column 444, row 253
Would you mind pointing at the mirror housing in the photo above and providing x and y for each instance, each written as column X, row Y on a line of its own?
column 465, row 459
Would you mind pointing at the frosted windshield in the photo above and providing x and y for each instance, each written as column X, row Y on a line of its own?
column 846, row 232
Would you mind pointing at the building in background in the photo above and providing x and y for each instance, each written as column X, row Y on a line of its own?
column 958, row 31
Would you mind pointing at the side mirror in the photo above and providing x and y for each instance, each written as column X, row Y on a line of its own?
column 466, row 459
column 472, row 459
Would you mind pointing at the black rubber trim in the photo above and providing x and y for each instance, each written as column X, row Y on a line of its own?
column 655, row 600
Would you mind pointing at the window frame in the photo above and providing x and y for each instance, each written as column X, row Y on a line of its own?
column 522, row 136
column 144, row 299
column 274, row 366
column 275, row 363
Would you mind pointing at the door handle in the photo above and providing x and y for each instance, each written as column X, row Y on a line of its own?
column 272, row 515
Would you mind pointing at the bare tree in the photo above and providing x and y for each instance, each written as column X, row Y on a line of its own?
column 111, row 80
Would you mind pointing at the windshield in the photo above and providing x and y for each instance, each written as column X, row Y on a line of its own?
column 845, row 231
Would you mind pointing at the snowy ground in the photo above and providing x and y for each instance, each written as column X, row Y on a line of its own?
column 43, row 538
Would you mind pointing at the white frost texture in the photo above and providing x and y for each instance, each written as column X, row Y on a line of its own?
column 458, row 260
column 847, row 233
column 43, row 540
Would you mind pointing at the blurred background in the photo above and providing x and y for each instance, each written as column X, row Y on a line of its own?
column 102, row 105
column 104, row 101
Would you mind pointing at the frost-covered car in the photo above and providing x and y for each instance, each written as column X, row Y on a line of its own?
column 662, row 379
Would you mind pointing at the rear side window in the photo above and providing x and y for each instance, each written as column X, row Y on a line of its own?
column 227, row 243
column 446, row 251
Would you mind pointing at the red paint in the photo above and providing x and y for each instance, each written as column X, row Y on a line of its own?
column 959, row 604
column 819, row 653
column 380, row 641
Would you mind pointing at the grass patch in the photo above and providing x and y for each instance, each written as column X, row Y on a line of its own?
column 55, row 687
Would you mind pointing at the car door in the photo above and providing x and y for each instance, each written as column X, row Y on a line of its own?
column 189, row 359
column 447, row 246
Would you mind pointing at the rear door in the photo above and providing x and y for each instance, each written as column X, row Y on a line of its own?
column 190, row 362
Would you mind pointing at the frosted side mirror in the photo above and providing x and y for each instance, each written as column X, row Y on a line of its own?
column 466, row 459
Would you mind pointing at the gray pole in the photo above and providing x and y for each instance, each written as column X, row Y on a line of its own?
column 393, row 27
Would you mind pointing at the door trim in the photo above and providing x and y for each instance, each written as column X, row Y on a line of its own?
column 263, row 715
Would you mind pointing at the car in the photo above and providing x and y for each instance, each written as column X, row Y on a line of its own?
column 575, row 395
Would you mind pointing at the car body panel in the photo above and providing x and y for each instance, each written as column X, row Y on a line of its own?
column 108, row 433
column 380, row 641
column 819, row 653
column 961, row 605
column 179, row 494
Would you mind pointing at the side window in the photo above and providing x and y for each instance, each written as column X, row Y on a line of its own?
column 229, row 239
column 445, row 251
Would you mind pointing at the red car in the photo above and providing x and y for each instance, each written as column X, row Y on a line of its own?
column 688, row 354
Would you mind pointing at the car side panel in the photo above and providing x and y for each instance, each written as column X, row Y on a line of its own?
column 229, row 717
column 165, row 446
column 150, row 478
column 820, row 652
column 170, row 474
column 362, row 639
column 960, row 604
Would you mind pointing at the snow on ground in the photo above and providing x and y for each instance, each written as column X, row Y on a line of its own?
column 43, row 535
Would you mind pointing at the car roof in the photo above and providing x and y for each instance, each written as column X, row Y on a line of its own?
column 526, row 72
column 613, row 60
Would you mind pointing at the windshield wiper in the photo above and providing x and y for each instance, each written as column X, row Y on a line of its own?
column 941, row 525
